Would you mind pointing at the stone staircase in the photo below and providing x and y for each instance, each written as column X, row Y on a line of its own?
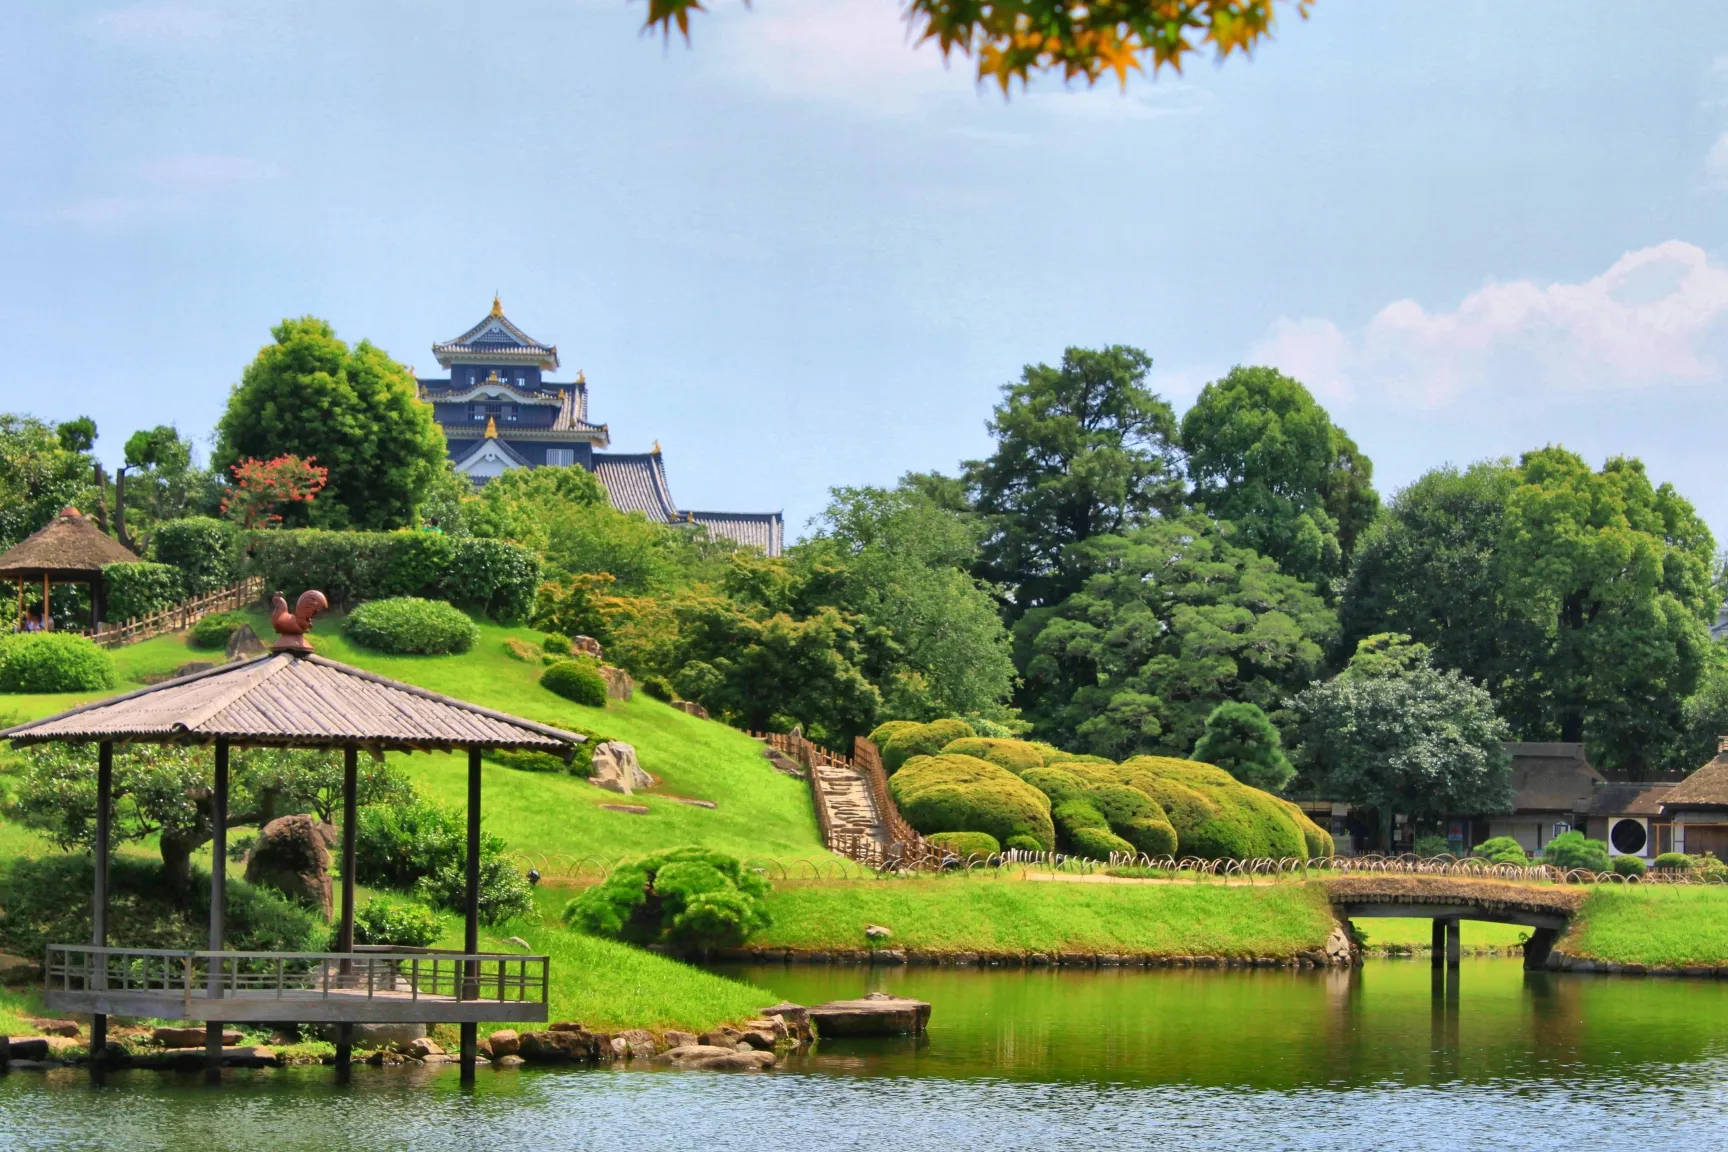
column 852, row 816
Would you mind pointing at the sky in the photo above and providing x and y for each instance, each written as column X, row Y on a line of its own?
column 803, row 252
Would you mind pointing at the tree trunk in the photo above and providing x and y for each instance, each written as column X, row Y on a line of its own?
column 120, row 509
column 101, row 498
column 1571, row 706
column 177, row 849
column 1385, row 815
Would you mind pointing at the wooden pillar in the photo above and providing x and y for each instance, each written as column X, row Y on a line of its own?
column 345, row 933
column 45, row 624
column 1454, row 945
column 99, row 898
column 19, row 623
column 471, row 917
column 218, row 908
column 1437, row 944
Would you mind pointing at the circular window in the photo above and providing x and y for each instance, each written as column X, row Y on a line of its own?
column 1628, row 837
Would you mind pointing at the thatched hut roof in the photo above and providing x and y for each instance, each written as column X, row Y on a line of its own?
column 294, row 701
column 1705, row 788
column 70, row 548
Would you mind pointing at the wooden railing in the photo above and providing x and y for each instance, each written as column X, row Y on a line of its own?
column 412, row 974
column 185, row 614
column 906, row 849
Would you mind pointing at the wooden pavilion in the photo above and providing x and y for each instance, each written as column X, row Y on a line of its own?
column 291, row 698
column 70, row 550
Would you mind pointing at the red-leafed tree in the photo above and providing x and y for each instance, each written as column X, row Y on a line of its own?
column 263, row 487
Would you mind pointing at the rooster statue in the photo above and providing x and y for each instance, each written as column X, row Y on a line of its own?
column 291, row 627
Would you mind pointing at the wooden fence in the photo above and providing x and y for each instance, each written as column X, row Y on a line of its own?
column 905, row 849
column 185, row 614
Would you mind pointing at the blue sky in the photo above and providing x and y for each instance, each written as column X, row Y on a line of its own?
column 802, row 253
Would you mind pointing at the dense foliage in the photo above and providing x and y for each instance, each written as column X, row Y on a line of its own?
column 41, row 472
column 966, row 845
column 383, row 920
column 909, row 739
column 423, row 847
column 490, row 576
column 141, row 589
column 355, row 411
column 1502, row 850
column 215, row 629
column 1240, row 740
column 576, row 680
column 1575, row 850
column 691, row 899
column 408, row 624
column 206, row 552
column 952, row 793
column 53, row 662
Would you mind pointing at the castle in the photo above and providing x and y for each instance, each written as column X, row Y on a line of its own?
column 499, row 411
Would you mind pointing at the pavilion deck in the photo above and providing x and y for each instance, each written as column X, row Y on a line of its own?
column 364, row 986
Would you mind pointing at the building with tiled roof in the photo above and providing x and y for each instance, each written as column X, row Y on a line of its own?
column 499, row 410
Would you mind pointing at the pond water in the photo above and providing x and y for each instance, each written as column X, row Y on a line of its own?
column 1260, row 1059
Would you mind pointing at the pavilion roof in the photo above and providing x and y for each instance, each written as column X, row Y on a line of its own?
column 299, row 701
column 496, row 338
column 69, row 545
column 1705, row 788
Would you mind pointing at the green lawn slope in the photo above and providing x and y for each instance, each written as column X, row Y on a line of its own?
column 1652, row 924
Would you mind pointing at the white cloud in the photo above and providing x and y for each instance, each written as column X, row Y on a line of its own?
column 1656, row 316
column 159, row 23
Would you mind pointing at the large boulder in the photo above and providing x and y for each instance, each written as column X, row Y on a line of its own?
column 877, row 1014
column 243, row 643
column 586, row 646
column 292, row 855
column 619, row 686
column 691, row 708
column 616, row 770
column 949, row 793
column 560, row 1046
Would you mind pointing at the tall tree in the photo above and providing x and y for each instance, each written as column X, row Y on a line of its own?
column 1242, row 741
column 353, row 411
column 42, row 469
column 1395, row 734
column 1617, row 572
column 1176, row 619
column 1082, row 450
column 1264, row 455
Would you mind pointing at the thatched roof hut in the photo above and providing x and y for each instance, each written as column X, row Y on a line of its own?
column 1704, row 790
column 70, row 548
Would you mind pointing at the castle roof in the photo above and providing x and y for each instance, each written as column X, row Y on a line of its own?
column 496, row 340
column 636, row 482
column 764, row 530
column 69, row 546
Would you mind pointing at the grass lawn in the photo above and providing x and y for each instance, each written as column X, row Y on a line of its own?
column 957, row 914
column 1654, row 925
column 1398, row 933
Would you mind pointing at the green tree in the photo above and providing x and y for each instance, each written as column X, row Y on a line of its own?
column 159, row 481
column 1617, row 572
column 901, row 564
column 1395, row 734
column 1263, row 455
column 1242, row 741
column 1176, row 619
column 1082, row 450
column 42, row 470
column 354, row 411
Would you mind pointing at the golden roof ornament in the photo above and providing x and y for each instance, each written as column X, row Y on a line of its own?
column 655, row 451
column 497, row 305
column 581, row 376
column 491, row 427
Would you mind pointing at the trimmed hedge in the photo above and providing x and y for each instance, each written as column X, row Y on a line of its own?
column 53, row 662
column 401, row 922
column 140, row 589
column 1217, row 817
column 407, row 625
column 659, row 688
column 965, row 794
column 1629, row 866
column 1018, row 756
column 1575, row 850
column 922, row 740
column 1502, row 850
column 1096, row 815
column 216, row 629
column 206, row 552
column 688, row 898
column 555, row 644
column 1672, row 862
column 885, row 731
column 965, row 844
column 577, row 680
column 489, row 576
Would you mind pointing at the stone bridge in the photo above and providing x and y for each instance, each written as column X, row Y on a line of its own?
column 1545, row 909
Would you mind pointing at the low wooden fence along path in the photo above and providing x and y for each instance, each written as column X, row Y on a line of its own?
column 855, row 811
column 236, row 596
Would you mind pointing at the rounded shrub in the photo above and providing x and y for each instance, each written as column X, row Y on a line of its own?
column 965, row 794
column 53, row 662
column 408, row 625
column 1502, row 850
column 216, row 629
column 885, row 731
column 688, row 898
column 1628, row 866
column 1216, row 816
column 659, row 688
column 1575, row 850
column 966, row 844
column 1672, row 862
column 1085, row 797
column 400, row 922
column 922, row 740
column 556, row 643
column 1018, row 756
column 1431, row 845
column 577, row 680
column 1023, row 844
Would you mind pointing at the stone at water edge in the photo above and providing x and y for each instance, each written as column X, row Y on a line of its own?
column 680, row 1039
column 504, row 1042
column 424, row 1047
column 560, row 1047
column 509, row 1062
column 795, row 1016
column 170, row 1037
column 875, row 1015
column 376, row 1035
column 640, row 1042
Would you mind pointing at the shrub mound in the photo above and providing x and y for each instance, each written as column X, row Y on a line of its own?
column 1575, row 850
column 555, row 644
column 659, row 688
column 1096, row 815
column 1217, row 817
column 688, row 898
column 400, row 922
column 216, row 629
column 1502, row 850
column 966, row 844
column 424, row 847
column 576, row 680
column 1673, row 862
column 408, row 625
column 1628, row 866
column 921, row 740
column 948, row 793
column 885, row 731
column 1018, row 756
column 53, row 662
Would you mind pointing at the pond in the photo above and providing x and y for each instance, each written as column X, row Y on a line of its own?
column 1181, row 1059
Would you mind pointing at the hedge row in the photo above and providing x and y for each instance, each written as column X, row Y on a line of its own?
column 489, row 576
column 207, row 553
column 140, row 589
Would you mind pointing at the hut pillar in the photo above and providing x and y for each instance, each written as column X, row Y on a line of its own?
column 99, row 898
column 218, row 907
column 345, row 933
column 471, row 916
column 47, row 622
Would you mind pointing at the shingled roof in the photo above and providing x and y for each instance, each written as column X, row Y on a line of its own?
column 295, row 701
column 1705, row 788
column 497, row 339
column 636, row 482
column 764, row 530
column 69, row 546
